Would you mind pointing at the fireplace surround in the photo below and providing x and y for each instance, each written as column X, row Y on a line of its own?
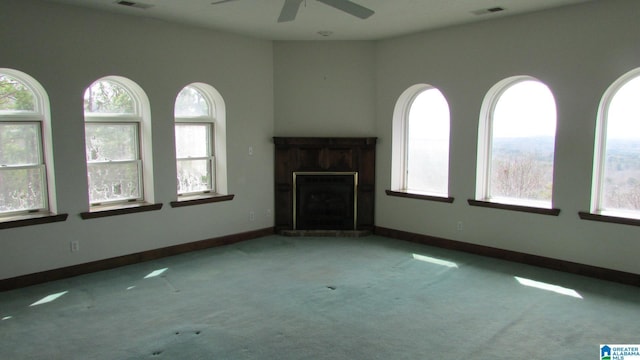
column 324, row 183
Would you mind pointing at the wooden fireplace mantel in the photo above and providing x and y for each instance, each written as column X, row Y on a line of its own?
column 318, row 154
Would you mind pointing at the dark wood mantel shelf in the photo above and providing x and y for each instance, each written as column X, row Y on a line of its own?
column 324, row 154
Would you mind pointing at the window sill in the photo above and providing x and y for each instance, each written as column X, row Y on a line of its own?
column 113, row 210
column 200, row 199
column 512, row 207
column 609, row 218
column 413, row 195
column 31, row 219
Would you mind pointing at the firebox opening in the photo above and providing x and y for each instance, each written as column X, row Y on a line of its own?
column 325, row 200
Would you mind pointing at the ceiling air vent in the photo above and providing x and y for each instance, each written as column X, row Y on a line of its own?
column 133, row 4
column 488, row 11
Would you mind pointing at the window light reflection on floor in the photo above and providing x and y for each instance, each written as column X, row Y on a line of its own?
column 49, row 298
column 548, row 287
column 436, row 261
column 7, row 318
column 155, row 273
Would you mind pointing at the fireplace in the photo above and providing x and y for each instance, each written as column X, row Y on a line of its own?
column 325, row 200
column 324, row 184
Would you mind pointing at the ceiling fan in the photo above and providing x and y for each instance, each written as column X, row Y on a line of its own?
column 290, row 8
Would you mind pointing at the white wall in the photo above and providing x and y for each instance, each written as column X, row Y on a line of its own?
column 321, row 88
column 577, row 51
column 67, row 48
column 324, row 88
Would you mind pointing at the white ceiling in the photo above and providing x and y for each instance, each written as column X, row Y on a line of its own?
column 258, row 18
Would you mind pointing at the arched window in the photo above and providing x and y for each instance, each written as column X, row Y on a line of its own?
column 516, row 143
column 200, row 141
column 117, row 142
column 616, row 178
column 26, row 160
column 420, row 161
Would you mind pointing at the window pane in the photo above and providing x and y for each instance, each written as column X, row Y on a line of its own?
column 428, row 147
column 192, row 140
column 113, row 181
column 622, row 155
column 21, row 189
column 194, row 175
column 190, row 102
column 15, row 96
column 108, row 97
column 111, row 142
column 19, row 144
column 524, row 125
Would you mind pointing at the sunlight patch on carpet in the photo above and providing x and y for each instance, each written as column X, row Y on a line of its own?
column 436, row 261
column 48, row 298
column 548, row 287
column 155, row 273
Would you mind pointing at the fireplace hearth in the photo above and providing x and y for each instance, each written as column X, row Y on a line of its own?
column 324, row 184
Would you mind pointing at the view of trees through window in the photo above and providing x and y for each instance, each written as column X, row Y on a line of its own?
column 15, row 96
column 112, row 145
column 523, row 141
column 112, row 158
column 621, row 182
column 190, row 102
column 427, row 162
column 22, row 172
column 108, row 97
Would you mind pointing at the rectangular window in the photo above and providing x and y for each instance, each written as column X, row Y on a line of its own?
column 22, row 169
column 195, row 160
column 114, row 166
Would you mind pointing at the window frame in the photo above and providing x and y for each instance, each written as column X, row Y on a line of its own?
column 216, row 117
column 137, row 160
column 40, row 116
column 210, row 158
column 483, row 197
column 208, row 119
column 597, row 209
column 141, row 117
column 400, row 148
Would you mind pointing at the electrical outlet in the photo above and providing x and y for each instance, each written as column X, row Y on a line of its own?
column 250, row 150
column 252, row 215
column 459, row 226
column 74, row 246
column 269, row 212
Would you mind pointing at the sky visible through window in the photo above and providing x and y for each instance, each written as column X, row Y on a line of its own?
column 526, row 109
column 624, row 112
column 522, row 147
column 621, row 182
column 428, row 143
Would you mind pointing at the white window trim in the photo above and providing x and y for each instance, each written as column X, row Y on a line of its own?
column 400, row 139
column 137, row 160
column 42, row 115
column 485, row 146
column 211, row 158
column 217, row 118
column 142, row 116
column 600, row 146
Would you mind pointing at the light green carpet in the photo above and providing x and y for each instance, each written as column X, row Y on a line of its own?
column 319, row 298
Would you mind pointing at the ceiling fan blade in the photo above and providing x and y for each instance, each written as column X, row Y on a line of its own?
column 289, row 10
column 350, row 8
column 221, row 2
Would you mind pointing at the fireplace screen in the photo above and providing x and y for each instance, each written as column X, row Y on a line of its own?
column 325, row 200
